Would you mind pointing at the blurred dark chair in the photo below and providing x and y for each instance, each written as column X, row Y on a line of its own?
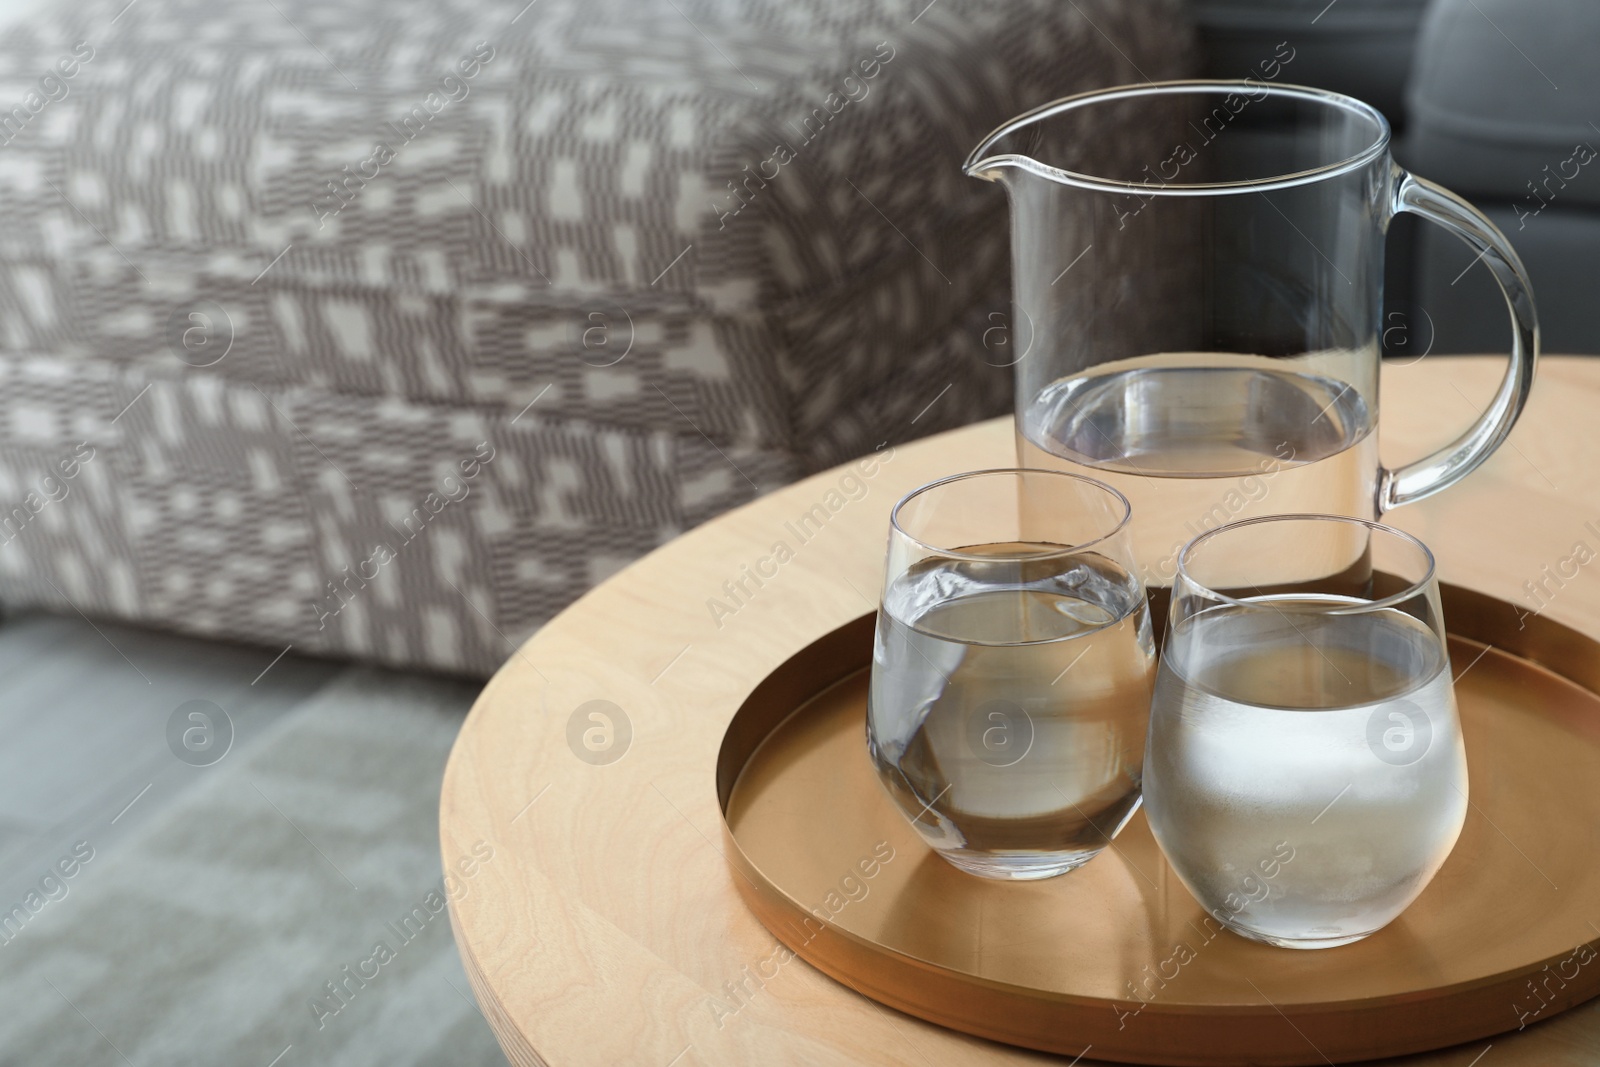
column 1503, row 101
column 1495, row 99
column 1362, row 48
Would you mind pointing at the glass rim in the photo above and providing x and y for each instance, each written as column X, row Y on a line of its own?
column 1416, row 588
column 977, row 161
column 989, row 472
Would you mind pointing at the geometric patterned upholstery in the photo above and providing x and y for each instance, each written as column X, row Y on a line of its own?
column 287, row 272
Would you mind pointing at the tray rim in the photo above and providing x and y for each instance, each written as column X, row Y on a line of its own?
column 1539, row 641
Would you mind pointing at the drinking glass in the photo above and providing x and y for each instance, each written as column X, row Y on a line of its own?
column 1198, row 290
column 1012, row 670
column 1305, row 773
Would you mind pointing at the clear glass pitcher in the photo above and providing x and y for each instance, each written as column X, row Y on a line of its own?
column 1197, row 296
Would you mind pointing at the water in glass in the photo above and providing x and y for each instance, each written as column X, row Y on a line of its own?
column 1008, row 704
column 1332, row 737
column 1197, row 442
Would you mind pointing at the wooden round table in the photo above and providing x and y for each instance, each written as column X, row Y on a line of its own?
column 579, row 820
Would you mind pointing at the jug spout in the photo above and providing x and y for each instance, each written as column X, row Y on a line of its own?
column 990, row 170
column 999, row 156
column 1125, row 140
column 1055, row 143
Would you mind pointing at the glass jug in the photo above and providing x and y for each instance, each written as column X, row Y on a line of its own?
column 1197, row 272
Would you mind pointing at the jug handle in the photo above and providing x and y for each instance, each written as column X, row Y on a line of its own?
column 1458, row 459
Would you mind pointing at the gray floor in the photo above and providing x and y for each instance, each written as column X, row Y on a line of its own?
column 225, row 887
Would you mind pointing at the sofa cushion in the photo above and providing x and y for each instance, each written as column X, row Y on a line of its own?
column 658, row 255
column 444, row 204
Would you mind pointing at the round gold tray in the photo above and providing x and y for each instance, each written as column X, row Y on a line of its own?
column 1116, row 959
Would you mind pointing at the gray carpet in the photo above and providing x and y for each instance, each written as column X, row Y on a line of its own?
column 218, row 902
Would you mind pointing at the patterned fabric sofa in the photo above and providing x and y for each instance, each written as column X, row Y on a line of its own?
column 387, row 329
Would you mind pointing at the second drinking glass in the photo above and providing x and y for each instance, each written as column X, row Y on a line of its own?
column 1306, row 775
column 1012, row 670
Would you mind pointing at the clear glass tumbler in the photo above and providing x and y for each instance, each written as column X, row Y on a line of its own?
column 1305, row 773
column 1012, row 670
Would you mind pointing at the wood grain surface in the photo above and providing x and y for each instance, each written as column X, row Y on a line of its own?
column 606, row 928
